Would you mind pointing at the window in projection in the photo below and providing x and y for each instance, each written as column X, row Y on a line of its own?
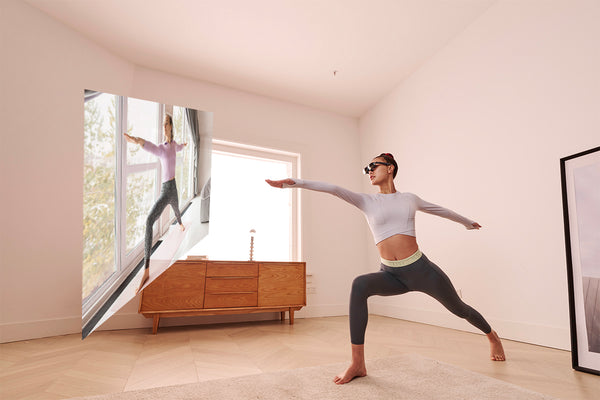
column 143, row 120
column 185, row 163
column 121, row 184
column 99, row 194
column 141, row 190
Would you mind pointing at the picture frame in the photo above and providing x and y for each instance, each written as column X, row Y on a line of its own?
column 580, row 181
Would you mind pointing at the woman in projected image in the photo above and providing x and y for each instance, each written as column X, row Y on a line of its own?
column 391, row 217
column 166, row 152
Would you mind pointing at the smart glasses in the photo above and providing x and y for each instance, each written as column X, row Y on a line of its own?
column 373, row 165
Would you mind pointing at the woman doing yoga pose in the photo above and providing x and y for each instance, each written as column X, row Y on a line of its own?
column 166, row 152
column 404, row 268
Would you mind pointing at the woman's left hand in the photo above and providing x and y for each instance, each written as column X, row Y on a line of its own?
column 476, row 225
column 279, row 183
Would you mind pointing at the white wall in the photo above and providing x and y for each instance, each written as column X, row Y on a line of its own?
column 481, row 129
column 45, row 68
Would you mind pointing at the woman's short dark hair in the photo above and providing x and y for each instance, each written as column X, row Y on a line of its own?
column 389, row 158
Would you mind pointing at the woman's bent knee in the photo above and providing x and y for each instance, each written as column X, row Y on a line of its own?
column 360, row 286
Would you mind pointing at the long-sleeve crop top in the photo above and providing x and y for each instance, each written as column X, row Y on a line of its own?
column 166, row 152
column 387, row 214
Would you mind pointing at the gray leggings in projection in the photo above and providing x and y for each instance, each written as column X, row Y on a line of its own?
column 422, row 276
column 168, row 195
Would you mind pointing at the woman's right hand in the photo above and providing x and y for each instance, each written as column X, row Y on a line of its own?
column 134, row 140
column 280, row 183
column 130, row 139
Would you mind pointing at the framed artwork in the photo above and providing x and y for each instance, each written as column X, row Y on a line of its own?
column 580, row 177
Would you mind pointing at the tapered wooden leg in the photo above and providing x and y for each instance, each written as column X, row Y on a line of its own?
column 291, row 317
column 283, row 315
column 155, row 323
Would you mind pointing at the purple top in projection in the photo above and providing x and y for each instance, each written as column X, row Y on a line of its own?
column 166, row 152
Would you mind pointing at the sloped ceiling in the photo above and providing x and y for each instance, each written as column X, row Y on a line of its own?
column 336, row 55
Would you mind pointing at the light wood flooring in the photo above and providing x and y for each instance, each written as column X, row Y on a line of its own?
column 114, row 361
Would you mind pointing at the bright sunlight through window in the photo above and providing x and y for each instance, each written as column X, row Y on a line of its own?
column 241, row 200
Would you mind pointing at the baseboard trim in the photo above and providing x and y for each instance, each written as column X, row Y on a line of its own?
column 323, row 310
column 14, row 332
column 135, row 320
column 547, row 336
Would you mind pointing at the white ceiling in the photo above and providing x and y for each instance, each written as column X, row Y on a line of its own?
column 285, row 49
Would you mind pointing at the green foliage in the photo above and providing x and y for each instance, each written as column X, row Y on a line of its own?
column 98, row 197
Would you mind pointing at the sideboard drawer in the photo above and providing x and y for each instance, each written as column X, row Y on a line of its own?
column 231, row 269
column 226, row 284
column 224, row 300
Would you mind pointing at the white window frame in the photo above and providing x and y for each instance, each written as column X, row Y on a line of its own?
column 257, row 152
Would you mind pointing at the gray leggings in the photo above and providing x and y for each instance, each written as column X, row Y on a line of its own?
column 422, row 276
column 168, row 195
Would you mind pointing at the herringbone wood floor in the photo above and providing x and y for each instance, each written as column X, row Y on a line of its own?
column 113, row 361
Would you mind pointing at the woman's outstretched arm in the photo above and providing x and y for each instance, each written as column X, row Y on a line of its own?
column 443, row 212
column 356, row 199
column 145, row 144
column 134, row 140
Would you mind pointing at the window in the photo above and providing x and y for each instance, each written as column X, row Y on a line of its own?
column 121, row 184
column 141, row 173
column 99, row 169
column 185, row 163
column 241, row 200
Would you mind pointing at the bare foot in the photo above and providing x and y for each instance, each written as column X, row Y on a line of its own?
column 353, row 371
column 496, row 349
column 182, row 227
column 145, row 278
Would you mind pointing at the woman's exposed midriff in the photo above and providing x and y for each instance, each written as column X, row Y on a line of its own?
column 397, row 247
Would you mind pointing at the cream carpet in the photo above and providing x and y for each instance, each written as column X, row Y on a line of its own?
column 405, row 377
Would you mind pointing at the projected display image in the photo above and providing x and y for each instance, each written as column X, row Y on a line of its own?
column 146, row 191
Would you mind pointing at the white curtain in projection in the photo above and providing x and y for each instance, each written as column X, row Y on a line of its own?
column 241, row 200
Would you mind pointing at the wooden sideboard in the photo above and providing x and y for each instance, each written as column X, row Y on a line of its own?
column 191, row 288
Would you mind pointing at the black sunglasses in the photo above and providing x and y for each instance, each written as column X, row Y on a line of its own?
column 373, row 165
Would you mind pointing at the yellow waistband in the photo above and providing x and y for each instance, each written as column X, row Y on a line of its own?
column 404, row 262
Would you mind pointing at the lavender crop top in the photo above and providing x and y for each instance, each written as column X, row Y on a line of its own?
column 387, row 214
column 166, row 152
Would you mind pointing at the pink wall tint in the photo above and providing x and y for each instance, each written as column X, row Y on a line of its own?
column 480, row 129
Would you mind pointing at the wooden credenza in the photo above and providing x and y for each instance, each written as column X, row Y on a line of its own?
column 191, row 288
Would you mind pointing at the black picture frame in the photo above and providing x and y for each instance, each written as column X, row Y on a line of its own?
column 580, row 181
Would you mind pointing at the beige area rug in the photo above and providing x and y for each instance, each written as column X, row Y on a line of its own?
column 405, row 377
